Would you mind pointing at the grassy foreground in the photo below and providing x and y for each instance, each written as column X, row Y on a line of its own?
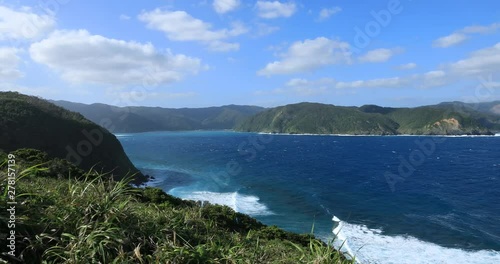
column 66, row 216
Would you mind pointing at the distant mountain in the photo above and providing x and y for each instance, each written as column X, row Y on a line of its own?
column 317, row 118
column 142, row 119
column 443, row 119
column 30, row 122
column 483, row 107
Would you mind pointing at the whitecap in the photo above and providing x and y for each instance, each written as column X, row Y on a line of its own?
column 371, row 246
column 246, row 204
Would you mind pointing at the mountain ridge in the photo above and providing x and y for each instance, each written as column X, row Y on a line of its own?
column 446, row 118
column 132, row 119
column 454, row 118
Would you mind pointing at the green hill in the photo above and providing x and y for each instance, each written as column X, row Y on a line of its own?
column 443, row 119
column 30, row 122
column 142, row 119
column 318, row 119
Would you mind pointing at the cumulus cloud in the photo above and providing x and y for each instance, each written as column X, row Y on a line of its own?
column 23, row 24
column 482, row 61
column 421, row 81
column 463, row 34
column 477, row 29
column 134, row 96
column 275, row 9
column 181, row 26
column 124, row 17
column 407, row 66
column 263, row 29
column 9, row 62
column 84, row 58
column 224, row 6
column 326, row 13
column 306, row 87
column 394, row 82
column 309, row 55
column 302, row 87
column 379, row 55
column 450, row 40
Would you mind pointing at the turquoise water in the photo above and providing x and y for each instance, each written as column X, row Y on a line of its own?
column 403, row 199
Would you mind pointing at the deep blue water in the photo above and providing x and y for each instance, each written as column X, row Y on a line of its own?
column 442, row 206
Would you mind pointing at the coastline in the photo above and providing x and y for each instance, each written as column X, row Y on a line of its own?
column 371, row 135
column 124, row 134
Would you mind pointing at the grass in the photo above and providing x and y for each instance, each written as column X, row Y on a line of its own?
column 94, row 219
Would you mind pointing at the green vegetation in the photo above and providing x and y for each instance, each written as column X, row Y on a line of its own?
column 454, row 118
column 443, row 119
column 30, row 122
column 141, row 119
column 90, row 218
column 318, row 119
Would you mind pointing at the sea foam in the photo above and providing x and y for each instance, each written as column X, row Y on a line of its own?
column 247, row 204
column 371, row 246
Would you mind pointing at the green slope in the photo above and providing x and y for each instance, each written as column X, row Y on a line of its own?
column 30, row 122
column 91, row 219
column 141, row 119
column 443, row 119
column 318, row 119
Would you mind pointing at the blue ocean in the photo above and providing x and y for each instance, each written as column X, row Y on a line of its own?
column 403, row 199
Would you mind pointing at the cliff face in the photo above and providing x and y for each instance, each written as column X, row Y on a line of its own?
column 371, row 120
column 30, row 122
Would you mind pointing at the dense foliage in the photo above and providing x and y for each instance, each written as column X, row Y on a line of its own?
column 140, row 119
column 30, row 122
column 443, row 119
column 93, row 219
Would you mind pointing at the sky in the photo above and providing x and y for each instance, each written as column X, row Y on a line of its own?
column 209, row 53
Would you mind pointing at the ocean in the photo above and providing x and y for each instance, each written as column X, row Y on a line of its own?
column 403, row 199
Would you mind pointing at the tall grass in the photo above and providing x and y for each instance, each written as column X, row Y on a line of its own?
column 94, row 219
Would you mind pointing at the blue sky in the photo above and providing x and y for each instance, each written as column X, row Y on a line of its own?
column 208, row 53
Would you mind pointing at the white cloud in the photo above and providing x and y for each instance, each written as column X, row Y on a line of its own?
column 450, row 40
column 481, row 29
column 275, row 9
column 264, row 29
column 308, row 55
column 479, row 62
column 483, row 62
column 407, row 66
column 84, row 58
column 302, row 87
column 135, row 96
column 421, row 81
column 433, row 79
column 306, row 87
column 180, row 26
column 224, row 6
column 124, row 17
column 379, row 55
column 9, row 62
column 223, row 46
column 461, row 35
column 394, row 82
column 23, row 24
column 325, row 13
